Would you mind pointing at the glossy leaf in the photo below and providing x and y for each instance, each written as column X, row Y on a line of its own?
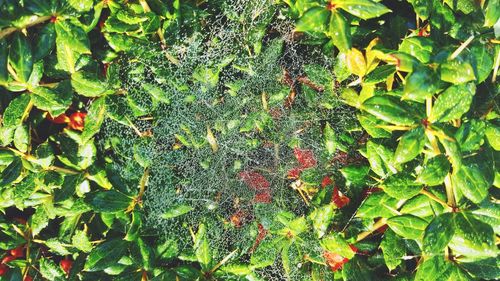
column 473, row 238
column 401, row 186
column 109, row 201
column 410, row 145
column 365, row 9
column 339, row 30
column 17, row 110
column 393, row 248
column 105, row 255
column 407, row 226
column 434, row 171
column 452, row 103
column 20, row 57
column 439, row 233
column 389, row 109
column 94, row 119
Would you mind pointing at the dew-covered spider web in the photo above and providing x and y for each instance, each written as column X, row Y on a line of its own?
column 234, row 95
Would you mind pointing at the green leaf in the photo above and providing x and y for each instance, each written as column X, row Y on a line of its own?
column 4, row 74
column 93, row 120
column 202, row 248
column 50, row 270
column 51, row 100
column 489, row 213
column 313, row 21
column 488, row 269
column 419, row 47
column 39, row 220
column 330, row 139
column 493, row 136
column 11, row 172
column 452, row 103
column 134, row 228
column 81, row 241
column 365, row 9
column 177, row 210
column 378, row 205
column 337, row 244
column 108, row 201
column 46, row 40
column 6, row 157
column 457, row 71
column 482, row 60
column 380, row 74
column 370, row 123
column 321, row 218
column 88, row 84
column 393, row 248
column 17, row 109
column 491, row 13
column 380, row 158
column 438, row 233
column 465, row 6
column 472, row 182
column 106, row 254
column 434, row 171
column 422, row 206
column 73, row 36
column 22, row 138
column 389, row 109
column 434, row 268
column 470, row 135
column 340, row 31
column 355, row 175
column 473, row 238
column 410, row 145
column 407, row 226
column 401, row 186
column 266, row 253
column 422, row 83
column 20, row 57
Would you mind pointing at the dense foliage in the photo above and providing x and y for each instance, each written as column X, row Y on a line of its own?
column 249, row 140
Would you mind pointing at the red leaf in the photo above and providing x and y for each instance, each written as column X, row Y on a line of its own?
column 3, row 269
column 17, row 252
column 263, row 197
column 254, row 180
column 334, row 260
column 77, row 120
column 294, row 173
column 339, row 199
column 305, row 157
column 326, row 181
column 61, row 119
column 260, row 236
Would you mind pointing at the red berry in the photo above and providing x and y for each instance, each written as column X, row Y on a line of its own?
column 8, row 259
column 66, row 265
column 3, row 269
column 28, row 278
column 17, row 252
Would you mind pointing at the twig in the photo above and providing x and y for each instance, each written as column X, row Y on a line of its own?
column 381, row 222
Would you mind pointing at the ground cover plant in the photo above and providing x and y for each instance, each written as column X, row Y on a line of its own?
column 249, row 140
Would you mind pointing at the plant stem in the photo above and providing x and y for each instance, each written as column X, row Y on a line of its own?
column 378, row 224
column 449, row 191
column 34, row 20
column 433, row 197
column 223, row 261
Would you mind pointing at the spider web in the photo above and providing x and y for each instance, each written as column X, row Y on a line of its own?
column 205, row 180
